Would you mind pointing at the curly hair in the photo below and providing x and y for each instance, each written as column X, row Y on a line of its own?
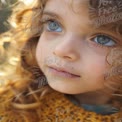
column 31, row 28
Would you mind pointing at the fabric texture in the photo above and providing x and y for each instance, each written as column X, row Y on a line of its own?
column 53, row 107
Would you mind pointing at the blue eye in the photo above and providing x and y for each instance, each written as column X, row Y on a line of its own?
column 104, row 40
column 54, row 26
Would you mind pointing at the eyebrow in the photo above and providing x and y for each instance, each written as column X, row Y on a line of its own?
column 49, row 13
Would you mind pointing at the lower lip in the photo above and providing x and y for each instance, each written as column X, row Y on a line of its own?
column 62, row 74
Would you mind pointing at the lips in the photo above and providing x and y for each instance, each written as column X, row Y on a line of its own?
column 64, row 70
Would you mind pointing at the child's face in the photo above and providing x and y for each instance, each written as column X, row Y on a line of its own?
column 70, row 42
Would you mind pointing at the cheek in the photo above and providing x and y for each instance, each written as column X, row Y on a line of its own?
column 94, row 60
column 42, row 50
column 96, row 66
column 39, row 52
column 48, row 37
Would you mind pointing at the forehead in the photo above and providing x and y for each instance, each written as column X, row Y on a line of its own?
column 74, row 4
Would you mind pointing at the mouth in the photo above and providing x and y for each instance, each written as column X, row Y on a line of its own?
column 62, row 72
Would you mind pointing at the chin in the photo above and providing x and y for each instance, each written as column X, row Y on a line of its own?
column 64, row 90
column 64, row 86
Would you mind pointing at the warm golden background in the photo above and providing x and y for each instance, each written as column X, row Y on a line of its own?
column 9, row 48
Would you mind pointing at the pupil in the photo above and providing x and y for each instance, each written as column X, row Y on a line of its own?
column 103, row 40
column 53, row 25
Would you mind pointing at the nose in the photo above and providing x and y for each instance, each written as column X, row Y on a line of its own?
column 67, row 48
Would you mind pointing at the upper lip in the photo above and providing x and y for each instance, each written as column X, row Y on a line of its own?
column 61, row 69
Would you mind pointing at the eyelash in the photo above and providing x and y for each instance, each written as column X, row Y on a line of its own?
column 103, row 46
column 48, row 19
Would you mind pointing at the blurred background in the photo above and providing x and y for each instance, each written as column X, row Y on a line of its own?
column 9, row 47
column 5, row 12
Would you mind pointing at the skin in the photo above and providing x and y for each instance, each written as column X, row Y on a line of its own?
column 75, row 49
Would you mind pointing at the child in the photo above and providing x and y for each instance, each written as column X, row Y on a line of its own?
column 70, row 68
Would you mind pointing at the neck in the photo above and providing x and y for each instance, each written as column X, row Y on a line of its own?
column 95, row 98
column 99, row 102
